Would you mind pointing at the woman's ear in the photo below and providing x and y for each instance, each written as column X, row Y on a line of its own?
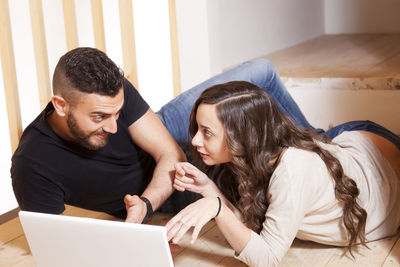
column 60, row 105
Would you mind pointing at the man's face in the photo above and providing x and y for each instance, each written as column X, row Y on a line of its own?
column 93, row 117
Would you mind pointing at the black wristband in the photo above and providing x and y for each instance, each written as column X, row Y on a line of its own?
column 149, row 211
column 219, row 206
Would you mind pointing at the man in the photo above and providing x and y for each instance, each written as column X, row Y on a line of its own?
column 97, row 141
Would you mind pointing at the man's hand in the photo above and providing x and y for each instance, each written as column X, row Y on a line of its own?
column 136, row 209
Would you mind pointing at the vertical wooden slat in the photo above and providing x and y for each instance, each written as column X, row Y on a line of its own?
column 98, row 25
column 128, row 41
column 70, row 24
column 9, row 76
column 176, row 73
column 41, row 57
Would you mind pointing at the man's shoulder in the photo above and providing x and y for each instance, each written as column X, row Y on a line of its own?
column 36, row 140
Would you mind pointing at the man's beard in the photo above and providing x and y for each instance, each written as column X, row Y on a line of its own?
column 81, row 138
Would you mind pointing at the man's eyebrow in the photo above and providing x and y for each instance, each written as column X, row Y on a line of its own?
column 103, row 113
column 99, row 113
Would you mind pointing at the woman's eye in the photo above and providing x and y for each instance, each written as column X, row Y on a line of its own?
column 207, row 133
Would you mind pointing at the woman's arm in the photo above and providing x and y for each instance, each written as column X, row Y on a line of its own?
column 202, row 211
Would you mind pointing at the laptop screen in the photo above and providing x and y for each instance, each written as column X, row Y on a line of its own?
column 58, row 240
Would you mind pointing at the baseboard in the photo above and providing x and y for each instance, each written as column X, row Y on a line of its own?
column 9, row 215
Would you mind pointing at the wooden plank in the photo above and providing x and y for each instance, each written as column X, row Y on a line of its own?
column 393, row 258
column 389, row 68
column 71, row 30
column 41, row 57
column 345, row 56
column 306, row 253
column 210, row 249
column 14, row 251
column 10, row 230
column 9, row 215
column 374, row 256
column 128, row 41
column 98, row 25
column 176, row 73
column 231, row 262
column 310, row 58
column 27, row 261
column 9, row 76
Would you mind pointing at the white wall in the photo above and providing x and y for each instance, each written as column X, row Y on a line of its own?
column 217, row 34
column 254, row 28
column 362, row 16
column 193, row 42
column 334, row 107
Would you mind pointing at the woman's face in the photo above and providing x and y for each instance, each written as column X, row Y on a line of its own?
column 210, row 139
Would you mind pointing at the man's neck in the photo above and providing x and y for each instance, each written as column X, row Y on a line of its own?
column 59, row 126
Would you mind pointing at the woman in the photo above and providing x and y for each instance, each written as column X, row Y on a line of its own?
column 277, row 181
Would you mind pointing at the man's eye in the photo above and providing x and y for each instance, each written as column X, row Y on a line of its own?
column 207, row 133
column 98, row 118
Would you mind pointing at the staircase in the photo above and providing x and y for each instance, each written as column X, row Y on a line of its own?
column 337, row 78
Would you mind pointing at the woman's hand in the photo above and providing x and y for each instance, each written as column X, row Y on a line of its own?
column 196, row 214
column 188, row 177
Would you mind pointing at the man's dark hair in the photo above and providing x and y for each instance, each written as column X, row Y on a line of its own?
column 87, row 70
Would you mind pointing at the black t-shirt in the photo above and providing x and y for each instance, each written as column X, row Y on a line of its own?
column 47, row 171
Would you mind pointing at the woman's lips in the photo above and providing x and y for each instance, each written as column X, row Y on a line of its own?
column 203, row 155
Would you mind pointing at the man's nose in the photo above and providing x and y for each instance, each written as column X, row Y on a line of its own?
column 111, row 126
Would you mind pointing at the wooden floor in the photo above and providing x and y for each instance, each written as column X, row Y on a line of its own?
column 211, row 249
column 350, row 61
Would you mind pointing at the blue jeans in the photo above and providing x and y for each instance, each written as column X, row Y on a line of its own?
column 175, row 114
column 368, row 126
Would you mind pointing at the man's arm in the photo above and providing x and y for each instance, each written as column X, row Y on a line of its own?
column 149, row 133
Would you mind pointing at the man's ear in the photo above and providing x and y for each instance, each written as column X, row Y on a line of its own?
column 61, row 106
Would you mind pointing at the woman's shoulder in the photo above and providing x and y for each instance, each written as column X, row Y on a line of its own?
column 351, row 138
column 299, row 164
column 299, row 157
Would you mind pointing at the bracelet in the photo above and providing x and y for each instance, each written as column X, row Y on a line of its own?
column 219, row 206
column 149, row 211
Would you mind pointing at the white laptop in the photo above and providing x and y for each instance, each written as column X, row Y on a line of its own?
column 65, row 241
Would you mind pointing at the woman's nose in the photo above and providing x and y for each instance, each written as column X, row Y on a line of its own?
column 197, row 140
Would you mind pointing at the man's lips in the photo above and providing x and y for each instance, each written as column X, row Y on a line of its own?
column 104, row 135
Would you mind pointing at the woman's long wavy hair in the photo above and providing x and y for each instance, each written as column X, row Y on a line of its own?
column 257, row 132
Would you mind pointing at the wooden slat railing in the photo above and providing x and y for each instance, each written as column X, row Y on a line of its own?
column 128, row 41
column 71, row 29
column 9, row 76
column 40, row 50
column 98, row 25
column 176, row 75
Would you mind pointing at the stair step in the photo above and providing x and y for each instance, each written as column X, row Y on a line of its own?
column 339, row 78
column 345, row 61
